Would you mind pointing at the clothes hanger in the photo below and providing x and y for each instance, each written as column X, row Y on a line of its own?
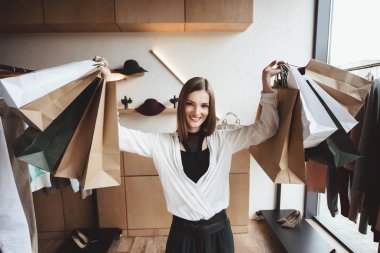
column 366, row 66
column 370, row 76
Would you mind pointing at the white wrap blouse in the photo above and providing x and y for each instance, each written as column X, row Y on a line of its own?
column 201, row 200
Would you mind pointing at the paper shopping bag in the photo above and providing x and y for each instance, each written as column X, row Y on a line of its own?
column 281, row 156
column 316, row 123
column 25, row 140
column 48, row 147
column 348, row 89
column 41, row 112
column 21, row 90
column 74, row 160
column 14, row 230
column 346, row 120
column 337, row 150
column 103, row 166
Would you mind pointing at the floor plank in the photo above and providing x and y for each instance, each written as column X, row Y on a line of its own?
column 259, row 239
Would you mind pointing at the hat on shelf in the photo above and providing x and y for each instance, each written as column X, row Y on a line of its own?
column 150, row 107
column 130, row 67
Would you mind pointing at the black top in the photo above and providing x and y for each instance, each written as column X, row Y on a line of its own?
column 195, row 161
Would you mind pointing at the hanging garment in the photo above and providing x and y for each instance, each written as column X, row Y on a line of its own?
column 14, row 230
column 13, row 127
column 367, row 172
column 344, row 180
column 356, row 196
column 332, row 190
column 315, row 177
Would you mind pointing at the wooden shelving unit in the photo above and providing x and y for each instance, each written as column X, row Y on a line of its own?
column 126, row 111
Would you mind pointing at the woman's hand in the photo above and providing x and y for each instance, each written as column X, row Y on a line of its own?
column 268, row 72
column 106, row 73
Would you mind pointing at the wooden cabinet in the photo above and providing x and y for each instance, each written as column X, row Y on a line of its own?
column 138, row 206
column 135, row 165
column 125, row 15
column 80, row 16
column 150, row 16
column 112, row 206
column 22, row 16
column 218, row 15
column 146, row 209
column 63, row 211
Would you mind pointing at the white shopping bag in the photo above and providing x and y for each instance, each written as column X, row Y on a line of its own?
column 21, row 90
column 14, row 231
column 316, row 123
column 341, row 113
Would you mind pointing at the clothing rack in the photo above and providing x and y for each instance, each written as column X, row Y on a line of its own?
column 15, row 69
column 366, row 66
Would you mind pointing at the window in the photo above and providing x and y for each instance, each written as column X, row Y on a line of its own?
column 352, row 40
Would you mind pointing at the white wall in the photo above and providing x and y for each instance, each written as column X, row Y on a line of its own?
column 232, row 62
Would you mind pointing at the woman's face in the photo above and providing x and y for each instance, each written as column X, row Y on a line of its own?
column 196, row 109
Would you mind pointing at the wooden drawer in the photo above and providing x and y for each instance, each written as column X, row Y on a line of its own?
column 63, row 210
column 22, row 16
column 150, row 16
column 239, row 199
column 81, row 16
column 112, row 207
column 136, row 165
column 146, row 206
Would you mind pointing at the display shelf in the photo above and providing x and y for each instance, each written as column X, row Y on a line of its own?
column 302, row 238
column 128, row 111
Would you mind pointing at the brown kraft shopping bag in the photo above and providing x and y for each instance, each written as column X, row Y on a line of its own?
column 281, row 156
column 348, row 89
column 41, row 112
column 74, row 160
column 103, row 165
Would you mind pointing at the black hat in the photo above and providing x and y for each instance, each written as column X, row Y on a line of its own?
column 150, row 107
column 130, row 67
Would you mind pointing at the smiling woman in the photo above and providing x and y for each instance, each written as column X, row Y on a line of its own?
column 196, row 108
column 194, row 162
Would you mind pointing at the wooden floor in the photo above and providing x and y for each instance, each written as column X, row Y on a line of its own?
column 259, row 239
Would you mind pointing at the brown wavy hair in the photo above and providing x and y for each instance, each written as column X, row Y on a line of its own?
column 195, row 84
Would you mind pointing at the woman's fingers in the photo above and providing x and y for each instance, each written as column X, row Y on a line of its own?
column 101, row 59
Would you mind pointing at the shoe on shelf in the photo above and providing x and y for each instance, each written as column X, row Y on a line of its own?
column 288, row 217
column 294, row 221
column 259, row 216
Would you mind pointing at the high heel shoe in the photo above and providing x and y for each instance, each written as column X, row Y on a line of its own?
column 294, row 221
column 288, row 217
column 80, row 239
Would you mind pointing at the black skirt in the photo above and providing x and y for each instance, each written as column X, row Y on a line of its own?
column 204, row 236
